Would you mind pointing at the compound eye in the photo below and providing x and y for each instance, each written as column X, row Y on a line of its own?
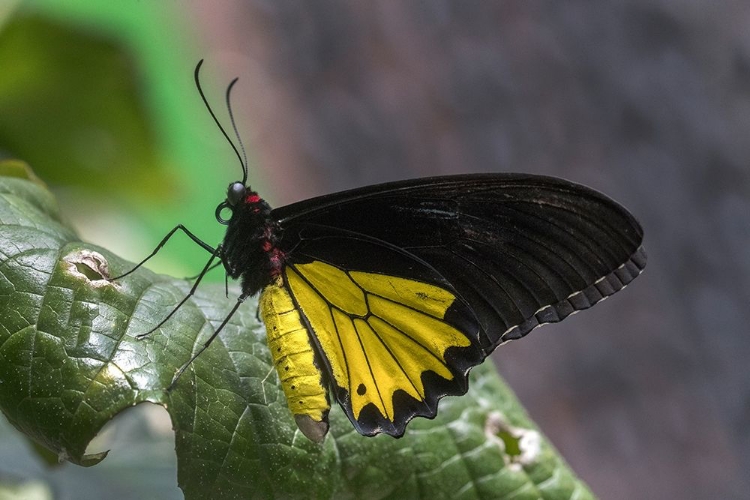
column 235, row 192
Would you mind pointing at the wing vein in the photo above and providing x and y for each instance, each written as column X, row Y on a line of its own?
column 398, row 363
column 420, row 344
column 369, row 367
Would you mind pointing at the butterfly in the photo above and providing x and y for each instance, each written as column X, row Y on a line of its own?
column 384, row 297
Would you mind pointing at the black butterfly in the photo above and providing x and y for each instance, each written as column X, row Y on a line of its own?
column 388, row 295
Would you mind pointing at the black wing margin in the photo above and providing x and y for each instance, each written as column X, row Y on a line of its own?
column 521, row 250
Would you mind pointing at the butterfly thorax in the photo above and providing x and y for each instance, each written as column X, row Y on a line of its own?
column 250, row 244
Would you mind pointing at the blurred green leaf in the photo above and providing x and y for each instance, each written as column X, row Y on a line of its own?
column 69, row 363
column 71, row 96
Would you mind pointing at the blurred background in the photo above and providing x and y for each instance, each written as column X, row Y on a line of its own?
column 647, row 395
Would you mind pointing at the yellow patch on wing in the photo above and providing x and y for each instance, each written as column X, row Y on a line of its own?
column 380, row 333
column 421, row 296
column 336, row 286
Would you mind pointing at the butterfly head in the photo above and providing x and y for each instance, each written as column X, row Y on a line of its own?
column 236, row 194
column 244, row 202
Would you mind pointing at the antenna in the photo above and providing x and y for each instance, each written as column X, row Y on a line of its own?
column 236, row 133
column 208, row 106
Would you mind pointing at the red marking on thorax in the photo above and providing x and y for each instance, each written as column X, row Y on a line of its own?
column 275, row 256
column 277, row 261
column 252, row 198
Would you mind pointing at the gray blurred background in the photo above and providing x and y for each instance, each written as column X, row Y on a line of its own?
column 647, row 394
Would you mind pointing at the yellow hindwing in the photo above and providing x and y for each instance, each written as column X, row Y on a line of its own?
column 380, row 333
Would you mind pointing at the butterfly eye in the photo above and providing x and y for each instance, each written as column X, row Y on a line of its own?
column 235, row 192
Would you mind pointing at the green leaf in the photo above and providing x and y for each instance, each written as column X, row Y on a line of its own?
column 69, row 363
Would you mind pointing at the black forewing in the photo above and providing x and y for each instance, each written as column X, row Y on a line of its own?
column 521, row 250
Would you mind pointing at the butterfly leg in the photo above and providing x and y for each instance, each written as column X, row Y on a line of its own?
column 215, row 253
column 191, row 278
column 207, row 343
column 179, row 227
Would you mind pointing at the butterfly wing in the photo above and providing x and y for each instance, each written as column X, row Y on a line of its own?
column 499, row 253
column 393, row 334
